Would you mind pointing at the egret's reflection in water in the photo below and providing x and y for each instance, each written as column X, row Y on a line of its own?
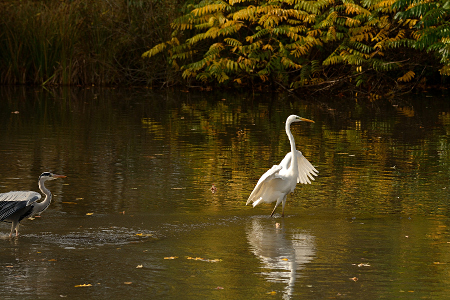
column 281, row 253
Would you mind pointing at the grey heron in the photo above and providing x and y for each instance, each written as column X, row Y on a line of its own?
column 17, row 205
column 280, row 180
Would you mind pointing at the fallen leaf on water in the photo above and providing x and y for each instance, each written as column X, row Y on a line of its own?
column 354, row 279
column 272, row 293
column 69, row 202
column 364, row 265
column 79, row 198
column 52, row 259
column 285, row 259
column 139, row 267
column 144, row 234
column 128, row 282
column 204, row 259
column 9, row 266
column 194, row 258
column 83, row 285
column 31, row 218
column 89, row 214
column 170, row 257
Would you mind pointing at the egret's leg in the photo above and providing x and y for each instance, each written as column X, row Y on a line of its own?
column 276, row 205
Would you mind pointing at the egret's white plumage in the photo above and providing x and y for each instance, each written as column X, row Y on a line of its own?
column 280, row 180
column 17, row 205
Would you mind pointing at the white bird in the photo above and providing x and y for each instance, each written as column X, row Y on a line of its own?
column 280, row 180
column 17, row 205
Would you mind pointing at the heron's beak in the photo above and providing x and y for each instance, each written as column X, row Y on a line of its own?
column 306, row 120
column 59, row 176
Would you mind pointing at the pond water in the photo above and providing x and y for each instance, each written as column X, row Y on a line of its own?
column 136, row 217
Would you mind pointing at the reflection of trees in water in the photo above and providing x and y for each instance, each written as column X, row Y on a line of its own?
column 281, row 256
column 116, row 146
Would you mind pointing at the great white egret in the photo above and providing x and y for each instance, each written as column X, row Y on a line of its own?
column 280, row 180
column 17, row 205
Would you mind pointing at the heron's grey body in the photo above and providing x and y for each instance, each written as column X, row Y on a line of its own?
column 280, row 180
column 18, row 205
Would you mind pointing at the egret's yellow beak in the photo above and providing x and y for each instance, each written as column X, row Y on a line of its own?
column 306, row 120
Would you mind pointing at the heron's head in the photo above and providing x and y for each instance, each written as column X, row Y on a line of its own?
column 294, row 118
column 50, row 176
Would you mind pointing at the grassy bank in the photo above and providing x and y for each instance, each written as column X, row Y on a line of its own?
column 82, row 43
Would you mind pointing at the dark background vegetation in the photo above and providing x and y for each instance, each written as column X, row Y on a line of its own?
column 83, row 42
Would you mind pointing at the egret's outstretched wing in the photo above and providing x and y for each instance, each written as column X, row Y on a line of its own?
column 266, row 177
column 305, row 168
column 14, row 201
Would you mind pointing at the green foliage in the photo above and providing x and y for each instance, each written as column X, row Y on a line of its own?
column 432, row 21
column 293, row 43
column 302, row 43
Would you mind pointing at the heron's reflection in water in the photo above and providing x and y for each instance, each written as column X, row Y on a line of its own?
column 281, row 254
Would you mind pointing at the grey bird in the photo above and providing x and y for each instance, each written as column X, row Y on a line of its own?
column 17, row 205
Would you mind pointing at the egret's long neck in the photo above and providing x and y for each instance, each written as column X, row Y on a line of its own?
column 293, row 165
column 41, row 206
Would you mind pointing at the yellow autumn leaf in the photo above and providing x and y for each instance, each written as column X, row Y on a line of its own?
column 204, row 259
column 89, row 214
column 195, row 258
column 171, row 257
column 408, row 76
column 144, row 234
column 139, row 267
column 127, row 282
column 83, row 285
